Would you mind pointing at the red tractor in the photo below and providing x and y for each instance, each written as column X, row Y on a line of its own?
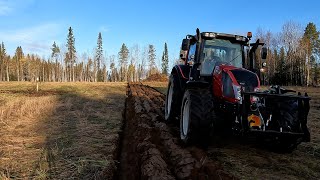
column 216, row 89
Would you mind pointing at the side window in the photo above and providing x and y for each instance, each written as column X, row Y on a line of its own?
column 192, row 51
column 227, row 85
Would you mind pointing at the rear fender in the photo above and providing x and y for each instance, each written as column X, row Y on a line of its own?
column 182, row 72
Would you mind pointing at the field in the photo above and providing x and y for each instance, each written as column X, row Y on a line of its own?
column 88, row 130
column 64, row 131
column 247, row 160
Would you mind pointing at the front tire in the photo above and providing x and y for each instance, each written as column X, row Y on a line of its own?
column 197, row 117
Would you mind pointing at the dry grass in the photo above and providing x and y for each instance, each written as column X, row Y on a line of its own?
column 160, row 86
column 66, row 130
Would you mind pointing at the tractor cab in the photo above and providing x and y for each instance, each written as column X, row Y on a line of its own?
column 219, row 51
column 215, row 48
column 204, row 51
column 220, row 60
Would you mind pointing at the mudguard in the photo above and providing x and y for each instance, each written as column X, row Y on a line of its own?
column 182, row 71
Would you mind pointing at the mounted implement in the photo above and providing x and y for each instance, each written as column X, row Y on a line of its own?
column 217, row 89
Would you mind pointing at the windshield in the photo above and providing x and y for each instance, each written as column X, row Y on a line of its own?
column 220, row 51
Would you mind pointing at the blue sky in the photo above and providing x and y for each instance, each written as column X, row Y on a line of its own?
column 35, row 24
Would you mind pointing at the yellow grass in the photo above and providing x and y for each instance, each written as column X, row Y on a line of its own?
column 160, row 86
column 66, row 130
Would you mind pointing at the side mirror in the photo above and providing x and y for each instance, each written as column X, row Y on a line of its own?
column 183, row 54
column 185, row 44
column 264, row 52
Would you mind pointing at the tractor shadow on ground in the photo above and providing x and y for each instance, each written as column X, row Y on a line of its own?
column 82, row 137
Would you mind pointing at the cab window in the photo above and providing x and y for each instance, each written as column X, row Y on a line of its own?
column 192, row 51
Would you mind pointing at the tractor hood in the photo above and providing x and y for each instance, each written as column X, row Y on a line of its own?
column 242, row 77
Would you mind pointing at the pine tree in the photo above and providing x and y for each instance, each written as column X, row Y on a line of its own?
column 98, row 58
column 123, row 60
column 152, row 60
column 311, row 39
column 312, row 35
column 165, row 60
column 71, row 54
column 55, row 50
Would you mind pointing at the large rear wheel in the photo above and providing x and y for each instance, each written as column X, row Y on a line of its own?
column 197, row 117
column 173, row 99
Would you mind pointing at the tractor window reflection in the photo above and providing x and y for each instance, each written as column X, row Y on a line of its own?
column 192, row 52
column 219, row 51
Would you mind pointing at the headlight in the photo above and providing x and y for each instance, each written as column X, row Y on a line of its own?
column 240, row 38
column 237, row 92
column 209, row 34
column 255, row 98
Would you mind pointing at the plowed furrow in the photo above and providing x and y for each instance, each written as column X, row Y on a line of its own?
column 150, row 146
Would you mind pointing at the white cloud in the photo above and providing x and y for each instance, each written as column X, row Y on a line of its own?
column 4, row 8
column 30, row 33
column 7, row 7
column 36, row 39
column 37, row 47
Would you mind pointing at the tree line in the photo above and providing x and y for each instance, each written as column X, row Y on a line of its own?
column 65, row 64
column 293, row 55
column 293, row 59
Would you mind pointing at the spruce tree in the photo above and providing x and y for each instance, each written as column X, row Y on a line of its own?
column 71, row 54
column 123, row 60
column 98, row 58
column 165, row 60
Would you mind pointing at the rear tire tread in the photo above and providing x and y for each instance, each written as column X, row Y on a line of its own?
column 201, row 116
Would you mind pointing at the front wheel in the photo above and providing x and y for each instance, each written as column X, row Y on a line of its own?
column 197, row 117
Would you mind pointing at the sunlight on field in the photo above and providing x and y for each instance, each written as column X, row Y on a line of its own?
column 66, row 130
column 160, row 86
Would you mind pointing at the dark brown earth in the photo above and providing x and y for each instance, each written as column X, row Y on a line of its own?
column 151, row 149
